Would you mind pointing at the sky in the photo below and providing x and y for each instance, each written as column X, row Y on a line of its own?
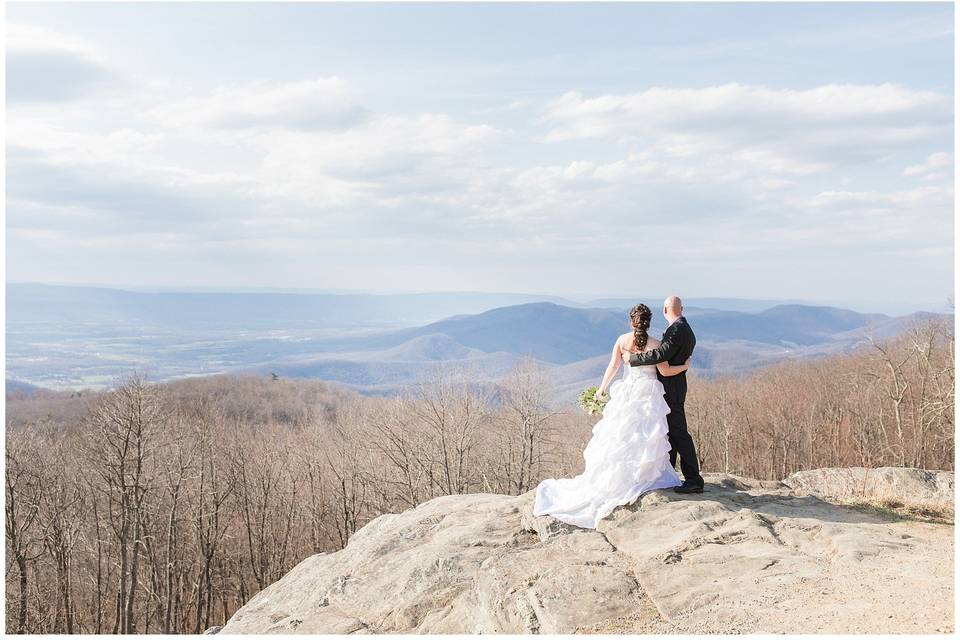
column 763, row 150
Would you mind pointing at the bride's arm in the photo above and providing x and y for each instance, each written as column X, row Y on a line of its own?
column 611, row 369
column 667, row 369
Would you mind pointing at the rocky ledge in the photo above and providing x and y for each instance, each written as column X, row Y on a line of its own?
column 746, row 556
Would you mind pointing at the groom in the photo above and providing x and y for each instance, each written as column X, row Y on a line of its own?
column 676, row 346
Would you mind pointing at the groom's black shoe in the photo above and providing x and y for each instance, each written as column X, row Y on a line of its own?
column 686, row 487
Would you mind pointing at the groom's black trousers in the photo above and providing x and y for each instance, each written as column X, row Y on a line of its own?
column 681, row 444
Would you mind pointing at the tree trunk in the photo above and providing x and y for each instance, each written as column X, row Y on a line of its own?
column 22, row 614
column 134, row 567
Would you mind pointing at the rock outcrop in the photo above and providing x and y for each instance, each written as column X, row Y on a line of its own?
column 745, row 556
column 887, row 486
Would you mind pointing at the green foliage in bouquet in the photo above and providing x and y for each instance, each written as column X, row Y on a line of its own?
column 590, row 403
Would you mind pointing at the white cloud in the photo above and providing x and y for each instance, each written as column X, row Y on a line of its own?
column 317, row 104
column 736, row 104
column 890, row 221
column 934, row 162
column 177, row 170
column 45, row 66
column 918, row 197
column 777, row 130
column 66, row 145
column 307, row 175
column 24, row 38
column 399, row 153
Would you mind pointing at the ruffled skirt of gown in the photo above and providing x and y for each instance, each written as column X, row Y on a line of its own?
column 628, row 455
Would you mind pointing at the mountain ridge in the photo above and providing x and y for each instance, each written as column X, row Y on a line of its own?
column 91, row 347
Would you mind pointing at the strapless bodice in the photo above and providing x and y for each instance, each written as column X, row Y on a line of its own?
column 648, row 372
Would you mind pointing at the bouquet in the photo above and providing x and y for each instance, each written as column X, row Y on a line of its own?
column 590, row 403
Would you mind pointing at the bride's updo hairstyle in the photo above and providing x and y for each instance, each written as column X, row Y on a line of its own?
column 640, row 319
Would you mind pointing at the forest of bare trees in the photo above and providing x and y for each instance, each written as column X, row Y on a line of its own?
column 163, row 508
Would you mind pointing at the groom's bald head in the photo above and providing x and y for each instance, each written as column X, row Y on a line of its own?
column 672, row 308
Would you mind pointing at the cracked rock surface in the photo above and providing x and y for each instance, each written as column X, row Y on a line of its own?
column 745, row 556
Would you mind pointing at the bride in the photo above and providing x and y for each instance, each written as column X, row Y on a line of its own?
column 628, row 453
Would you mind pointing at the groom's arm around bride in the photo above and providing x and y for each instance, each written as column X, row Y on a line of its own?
column 674, row 341
column 678, row 340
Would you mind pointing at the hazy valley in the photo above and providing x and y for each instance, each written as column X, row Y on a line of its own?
column 85, row 337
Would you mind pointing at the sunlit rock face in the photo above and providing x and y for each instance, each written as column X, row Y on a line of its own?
column 744, row 556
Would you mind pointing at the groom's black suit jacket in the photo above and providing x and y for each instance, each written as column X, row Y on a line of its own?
column 677, row 345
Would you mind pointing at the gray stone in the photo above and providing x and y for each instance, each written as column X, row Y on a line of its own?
column 745, row 556
column 895, row 486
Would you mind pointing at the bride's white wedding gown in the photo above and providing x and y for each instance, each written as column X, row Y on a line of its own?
column 628, row 454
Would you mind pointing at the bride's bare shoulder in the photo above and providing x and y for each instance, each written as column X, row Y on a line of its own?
column 626, row 343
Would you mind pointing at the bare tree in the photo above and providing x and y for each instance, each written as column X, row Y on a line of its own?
column 350, row 486
column 123, row 425
column 526, row 434
column 449, row 412
column 24, row 490
column 61, row 519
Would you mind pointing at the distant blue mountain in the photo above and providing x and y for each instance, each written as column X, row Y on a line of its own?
column 561, row 335
column 70, row 337
column 782, row 324
column 542, row 330
column 725, row 304
column 17, row 386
